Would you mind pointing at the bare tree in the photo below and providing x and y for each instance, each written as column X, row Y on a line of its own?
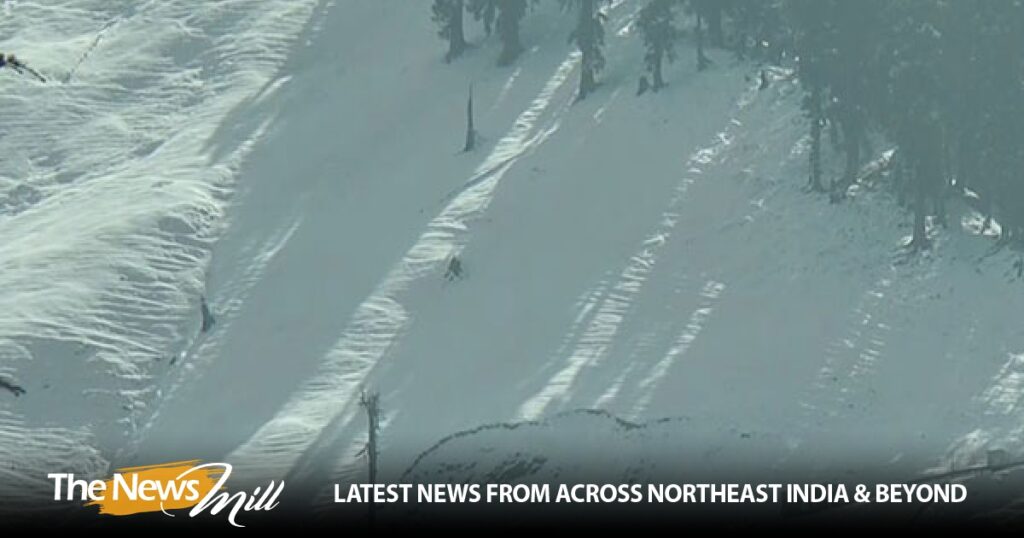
column 470, row 130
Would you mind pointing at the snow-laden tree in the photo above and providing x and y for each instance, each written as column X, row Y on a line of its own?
column 588, row 35
column 657, row 27
column 447, row 14
column 503, row 16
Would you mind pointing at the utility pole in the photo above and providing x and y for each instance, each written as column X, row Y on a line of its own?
column 370, row 402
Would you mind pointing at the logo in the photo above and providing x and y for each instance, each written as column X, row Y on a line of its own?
column 166, row 487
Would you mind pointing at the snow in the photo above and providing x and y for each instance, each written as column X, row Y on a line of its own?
column 113, row 186
column 654, row 257
column 634, row 451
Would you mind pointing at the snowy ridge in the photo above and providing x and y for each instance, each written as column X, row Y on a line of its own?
column 113, row 187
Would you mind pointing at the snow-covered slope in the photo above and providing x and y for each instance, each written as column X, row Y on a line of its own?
column 114, row 177
column 650, row 257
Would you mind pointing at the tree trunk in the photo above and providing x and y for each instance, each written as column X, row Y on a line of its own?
column 927, row 170
column 851, row 142
column 852, row 159
column 715, row 26
column 659, row 82
column 585, row 38
column 508, row 28
column 833, row 134
column 510, row 50
column 816, row 121
column 964, row 162
column 943, row 187
column 456, row 36
column 986, row 202
column 470, row 130
column 702, row 60
column 920, row 238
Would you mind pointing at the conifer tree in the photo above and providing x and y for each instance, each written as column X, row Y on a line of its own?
column 510, row 13
column 484, row 11
column 505, row 17
column 941, row 81
column 811, row 40
column 701, row 7
column 447, row 14
column 589, row 38
column 656, row 26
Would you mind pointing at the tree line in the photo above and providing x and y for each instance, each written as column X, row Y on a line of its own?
column 943, row 80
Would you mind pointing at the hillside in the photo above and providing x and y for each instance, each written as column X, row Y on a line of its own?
column 297, row 164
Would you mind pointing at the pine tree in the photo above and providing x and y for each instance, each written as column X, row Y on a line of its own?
column 854, row 79
column 505, row 17
column 942, row 80
column 760, row 28
column 701, row 7
column 999, row 108
column 656, row 26
column 815, row 115
column 447, row 14
column 510, row 12
column 715, row 10
column 810, row 40
column 913, row 113
column 589, row 38
column 484, row 11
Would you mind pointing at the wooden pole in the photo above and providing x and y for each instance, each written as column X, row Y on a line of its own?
column 370, row 402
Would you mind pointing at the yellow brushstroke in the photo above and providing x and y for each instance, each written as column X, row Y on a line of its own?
column 168, row 486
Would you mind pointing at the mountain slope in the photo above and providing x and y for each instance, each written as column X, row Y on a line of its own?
column 113, row 183
column 650, row 256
